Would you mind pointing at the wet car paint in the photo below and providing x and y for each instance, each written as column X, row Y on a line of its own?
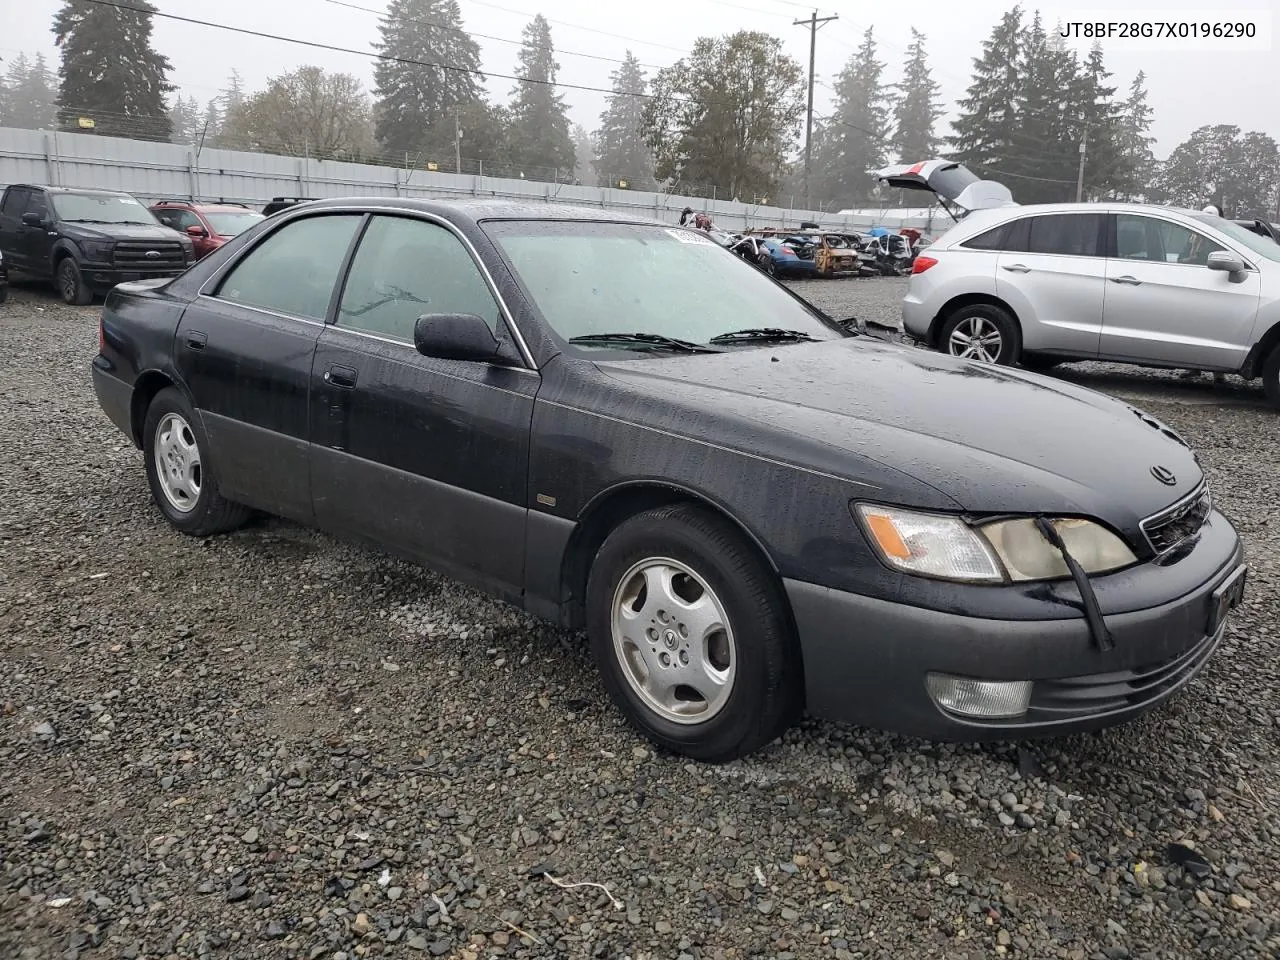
column 496, row 475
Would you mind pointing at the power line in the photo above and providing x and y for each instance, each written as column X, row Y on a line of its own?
column 484, row 36
column 576, row 26
column 375, row 56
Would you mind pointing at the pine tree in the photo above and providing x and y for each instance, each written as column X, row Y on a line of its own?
column 212, row 126
column 620, row 150
column 986, row 126
column 1043, row 155
column 230, row 104
column 915, row 108
column 539, row 132
column 1102, row 124
column 27, row 96
column 179, row 122
column 416, row 104
column 852, row 141
column 110, row 73
column 1136, row 162
column 583, row 154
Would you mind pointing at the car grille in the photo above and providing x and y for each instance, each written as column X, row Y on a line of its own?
column 1171, row 527
column 1101, row 693
column 135, row 254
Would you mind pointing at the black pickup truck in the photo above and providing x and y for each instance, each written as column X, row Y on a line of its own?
column 86, row 241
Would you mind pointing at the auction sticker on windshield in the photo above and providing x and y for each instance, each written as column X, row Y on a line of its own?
column 685, row 236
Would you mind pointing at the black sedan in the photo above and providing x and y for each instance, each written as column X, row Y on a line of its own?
column 620, row 426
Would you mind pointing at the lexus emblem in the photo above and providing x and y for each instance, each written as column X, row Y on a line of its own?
column 153, row 254
column 1164, row 475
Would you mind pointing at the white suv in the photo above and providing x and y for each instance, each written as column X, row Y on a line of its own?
column 1147, row 285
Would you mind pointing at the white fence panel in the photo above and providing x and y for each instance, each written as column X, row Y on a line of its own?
column 153, row 171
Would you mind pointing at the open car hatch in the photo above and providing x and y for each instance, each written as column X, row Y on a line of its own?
column 951, row 182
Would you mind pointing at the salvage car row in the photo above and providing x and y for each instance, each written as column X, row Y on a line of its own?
column 85, row 241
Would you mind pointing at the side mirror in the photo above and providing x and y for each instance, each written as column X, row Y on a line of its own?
column 33, row 220
column 1228, row 263
column 195, row 230
column 456, row 336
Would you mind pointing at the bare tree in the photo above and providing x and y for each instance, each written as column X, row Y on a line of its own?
column 307, row 112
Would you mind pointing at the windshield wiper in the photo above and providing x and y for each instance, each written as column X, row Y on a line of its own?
column 762, row 334
column 647, row 341
column 85, row 220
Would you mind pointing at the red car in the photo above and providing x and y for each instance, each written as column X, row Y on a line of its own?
column 209, row 225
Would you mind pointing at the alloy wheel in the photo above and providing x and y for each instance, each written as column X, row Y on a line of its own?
column 976, row 338
column 673, row 641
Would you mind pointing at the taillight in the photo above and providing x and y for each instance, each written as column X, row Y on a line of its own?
column 921, row 264
column 787, row 250
column 102, row 333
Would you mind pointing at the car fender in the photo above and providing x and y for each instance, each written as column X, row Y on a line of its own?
column 63, row 247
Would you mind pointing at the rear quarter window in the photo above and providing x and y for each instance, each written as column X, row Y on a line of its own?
column 993, row 239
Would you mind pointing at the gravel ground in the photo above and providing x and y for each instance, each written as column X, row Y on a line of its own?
column 274, row 745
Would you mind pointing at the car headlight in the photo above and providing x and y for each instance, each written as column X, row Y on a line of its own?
column 930, row 544
column 947, row 548
column 1027, row 555
column 99, row 250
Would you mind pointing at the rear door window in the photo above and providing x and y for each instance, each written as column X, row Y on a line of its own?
column 294, row 270
column 1066, row 234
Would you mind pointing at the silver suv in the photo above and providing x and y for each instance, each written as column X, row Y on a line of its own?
column 1147, row 285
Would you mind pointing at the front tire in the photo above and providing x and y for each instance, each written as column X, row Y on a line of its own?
column 983, row 332
column 71, row 283
column 767, row 265
column 183, row 485
column 690, row 632
column 1271, row 376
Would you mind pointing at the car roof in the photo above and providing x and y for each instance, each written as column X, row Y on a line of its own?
column 479, row 209
column 91, row 190
column 1091, row 207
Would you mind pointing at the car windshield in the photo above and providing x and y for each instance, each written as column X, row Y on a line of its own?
column 590, row 279
column 232, row 224
column 100, row 208
column 1264, row 246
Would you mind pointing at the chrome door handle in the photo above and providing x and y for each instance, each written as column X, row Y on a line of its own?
column 1131, row 281
column 1017, row 268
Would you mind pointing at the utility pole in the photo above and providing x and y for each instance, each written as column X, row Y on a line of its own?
column 812, row 23
column 457, row 141
column 1080, row 176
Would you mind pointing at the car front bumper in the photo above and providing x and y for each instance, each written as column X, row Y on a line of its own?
column 866, row 660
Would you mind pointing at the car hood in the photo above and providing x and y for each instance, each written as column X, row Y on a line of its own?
column 120, row 231
column 989, row 439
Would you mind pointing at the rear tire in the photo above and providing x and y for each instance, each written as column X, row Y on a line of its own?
column 1271, row 376
column 71, row 283
column 713, row 693
column 983, row 332
column 183, row 481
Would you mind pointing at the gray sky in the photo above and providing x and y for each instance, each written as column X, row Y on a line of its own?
column 1188, row 87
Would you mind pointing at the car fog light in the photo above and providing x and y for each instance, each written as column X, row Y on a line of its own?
column 986, row 699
